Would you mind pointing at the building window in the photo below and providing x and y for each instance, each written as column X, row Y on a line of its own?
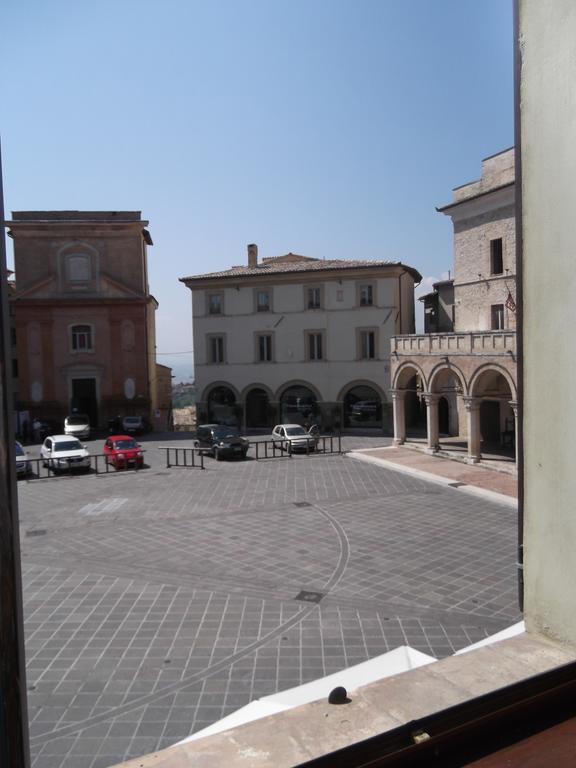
column 263, row 302
column 366, row 295
column 496, row 260
column 367, row 345
column 14, row 368
column 264, row 348
column 497, row 311
column 81, row 338
column 314, row 297
column 215, row 304
column 216, row 349
column 315, row 345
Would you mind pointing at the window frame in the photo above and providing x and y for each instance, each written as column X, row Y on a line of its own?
column 360, row 332
column 258, row 335
column 268, row 307
column 211, row 340
column 220, row 296
column 308, row 307
column 497, row 254
column 497, row 317
column 360, row 286
column 74, row 334
column 311, row 355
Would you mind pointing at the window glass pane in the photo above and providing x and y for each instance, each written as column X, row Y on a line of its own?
column 263, row 301
column 215, row 304
column 366, row 295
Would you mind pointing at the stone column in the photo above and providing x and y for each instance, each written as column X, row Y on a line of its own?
column 432, row 431
column 472, row 405
column 399, row 414
column 514, row 405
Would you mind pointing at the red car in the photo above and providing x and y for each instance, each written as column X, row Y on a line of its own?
column 123, row 451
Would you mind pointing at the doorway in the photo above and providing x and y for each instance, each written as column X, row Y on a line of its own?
column 490, row 421
column 84, row 399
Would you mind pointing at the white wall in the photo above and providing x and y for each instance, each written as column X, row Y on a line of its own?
column 548, row 131
column 289, row 322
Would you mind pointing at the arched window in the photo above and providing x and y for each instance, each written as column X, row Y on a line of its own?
column 81, row 338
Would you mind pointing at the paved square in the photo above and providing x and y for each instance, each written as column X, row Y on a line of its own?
column 160, row 601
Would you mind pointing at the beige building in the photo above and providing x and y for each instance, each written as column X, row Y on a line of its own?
column 298, row 339
column 459, row 378
column 84, row 317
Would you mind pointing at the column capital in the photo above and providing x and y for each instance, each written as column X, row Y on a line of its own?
column 471, row 403
column 430, row 398
column 514, row 405
column 398, row 394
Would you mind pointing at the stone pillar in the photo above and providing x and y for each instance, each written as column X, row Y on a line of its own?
column 431, row 400
column 514, row 405
column 399, row 415
column 472, row 405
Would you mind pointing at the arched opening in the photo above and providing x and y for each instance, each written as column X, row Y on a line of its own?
column 448, row 384
column 496, row 422
column 362, row 407
column 298, row 405
column 415, row 408
column 257, row 408
column 222, row 408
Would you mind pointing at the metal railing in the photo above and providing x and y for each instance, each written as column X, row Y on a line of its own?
column 41, row 469
column 179, row 457
column 321, row 444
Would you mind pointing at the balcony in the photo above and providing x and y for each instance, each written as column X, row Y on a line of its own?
column 470, row 343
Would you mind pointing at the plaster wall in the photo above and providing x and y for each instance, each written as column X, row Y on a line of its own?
column 548, row 125
column 339, row 320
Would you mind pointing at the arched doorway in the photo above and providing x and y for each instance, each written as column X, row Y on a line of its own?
column 415, row 408
column 298, row 405
column 362, row 408
column 257, row 408
column 222, row 407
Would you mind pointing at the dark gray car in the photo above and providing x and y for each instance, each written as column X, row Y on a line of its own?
column 221, row 442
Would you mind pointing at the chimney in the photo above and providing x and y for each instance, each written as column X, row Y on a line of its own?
column 252, row 255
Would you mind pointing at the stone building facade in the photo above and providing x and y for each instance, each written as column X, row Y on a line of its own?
column 461, row 380
column 298, row 339
column 84, row 316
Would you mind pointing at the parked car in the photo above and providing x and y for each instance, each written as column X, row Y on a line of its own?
column 134, row 425
column 61, row 452
column 22, row 461
column 123, row 451
column 294, row 437
column 77, row 425
column 221, row 441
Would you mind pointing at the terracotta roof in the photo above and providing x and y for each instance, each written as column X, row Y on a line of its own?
column 285, row 265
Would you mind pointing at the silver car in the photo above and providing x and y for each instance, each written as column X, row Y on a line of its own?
column 294, row 437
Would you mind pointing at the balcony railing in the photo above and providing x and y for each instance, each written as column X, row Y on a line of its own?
column 471, row 343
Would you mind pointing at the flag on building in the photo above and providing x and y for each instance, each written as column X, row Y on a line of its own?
column 510, row 303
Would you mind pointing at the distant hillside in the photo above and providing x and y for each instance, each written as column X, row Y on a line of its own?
column 183, row 395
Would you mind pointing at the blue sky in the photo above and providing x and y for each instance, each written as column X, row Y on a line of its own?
column 330, row 128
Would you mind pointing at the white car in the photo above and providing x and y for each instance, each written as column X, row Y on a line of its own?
column 22, row 462
column 294, row 437
column 77, row 425
column 60, row 452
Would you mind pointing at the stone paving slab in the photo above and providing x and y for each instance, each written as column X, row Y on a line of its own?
column 158, row 602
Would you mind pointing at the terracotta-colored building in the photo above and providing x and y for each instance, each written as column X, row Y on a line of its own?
column 84, row 316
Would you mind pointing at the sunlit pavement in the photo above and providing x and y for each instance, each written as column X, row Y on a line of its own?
column 156, row 602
